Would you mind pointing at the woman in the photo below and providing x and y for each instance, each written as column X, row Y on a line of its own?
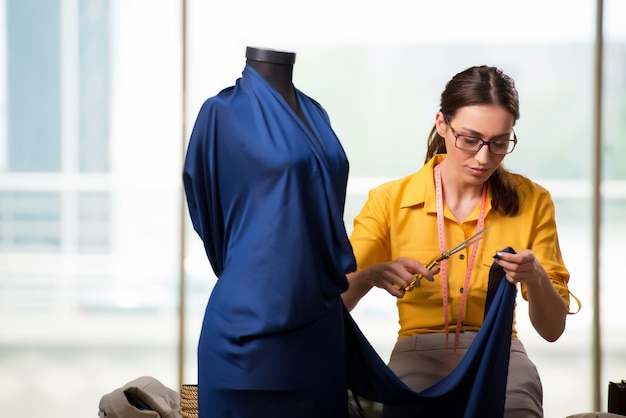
column 463, row 189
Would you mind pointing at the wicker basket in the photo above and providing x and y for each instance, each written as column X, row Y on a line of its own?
column 189, row 401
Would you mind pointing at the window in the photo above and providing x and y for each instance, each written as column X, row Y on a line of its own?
column 90, row 143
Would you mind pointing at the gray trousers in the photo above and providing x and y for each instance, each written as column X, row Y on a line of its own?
column 423, row 360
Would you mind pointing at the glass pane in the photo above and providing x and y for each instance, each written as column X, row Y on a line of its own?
column 30, row 221
column 378, row 69
column 33, row 101
column 90, row 147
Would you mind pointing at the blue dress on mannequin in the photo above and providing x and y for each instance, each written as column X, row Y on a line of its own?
column 266, row 195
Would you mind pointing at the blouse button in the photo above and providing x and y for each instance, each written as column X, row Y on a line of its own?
column 462, row 256
column 461, row 290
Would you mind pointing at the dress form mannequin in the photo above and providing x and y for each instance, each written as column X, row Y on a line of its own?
column 266, row 197
column 276, row 67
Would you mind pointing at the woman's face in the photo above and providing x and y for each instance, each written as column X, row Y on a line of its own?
column 484, row 122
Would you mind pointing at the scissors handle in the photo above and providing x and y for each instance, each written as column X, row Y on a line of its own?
column 419, row 276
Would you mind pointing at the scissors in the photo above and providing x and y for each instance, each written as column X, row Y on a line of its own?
column 447, row 254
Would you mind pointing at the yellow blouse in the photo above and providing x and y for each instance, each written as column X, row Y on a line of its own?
column 399, row 219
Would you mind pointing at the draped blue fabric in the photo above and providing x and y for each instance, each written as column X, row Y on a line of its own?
column 476, row 388
column 266, row 196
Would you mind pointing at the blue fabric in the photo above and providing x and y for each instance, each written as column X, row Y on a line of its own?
column 266, row 196
column 476, row 388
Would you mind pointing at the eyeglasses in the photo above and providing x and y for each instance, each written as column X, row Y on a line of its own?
column 473, row 144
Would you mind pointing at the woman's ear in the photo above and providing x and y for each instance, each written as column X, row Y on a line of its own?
column 440, row 124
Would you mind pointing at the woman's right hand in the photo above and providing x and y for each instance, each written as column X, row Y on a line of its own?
column 394, row 276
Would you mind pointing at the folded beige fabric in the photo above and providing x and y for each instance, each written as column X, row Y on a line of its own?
column 144, row 397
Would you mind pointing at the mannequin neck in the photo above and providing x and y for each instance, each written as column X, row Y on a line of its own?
column 279, row 76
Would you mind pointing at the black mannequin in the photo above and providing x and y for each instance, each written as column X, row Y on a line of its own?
column 276, row 67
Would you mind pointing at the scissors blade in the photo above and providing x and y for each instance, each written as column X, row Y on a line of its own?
column 476, row 237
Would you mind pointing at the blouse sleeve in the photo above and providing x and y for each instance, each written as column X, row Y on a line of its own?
column 544, row 242
column 370, row 237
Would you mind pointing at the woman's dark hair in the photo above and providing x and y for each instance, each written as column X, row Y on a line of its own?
column 481, row 85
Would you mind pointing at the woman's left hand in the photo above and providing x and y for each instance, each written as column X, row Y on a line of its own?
column 522, row 267
column 546, row 308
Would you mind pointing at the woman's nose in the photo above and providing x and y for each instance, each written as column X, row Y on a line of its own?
column 483, row 154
